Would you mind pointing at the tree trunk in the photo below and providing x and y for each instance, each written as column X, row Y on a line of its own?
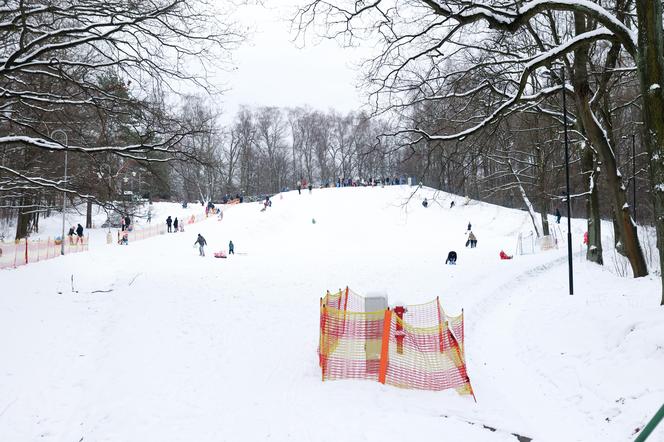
column 594, row 246
column 23, row 219
column 651, row 75
column 598, row 138
column 88, row 215
column 544, row 213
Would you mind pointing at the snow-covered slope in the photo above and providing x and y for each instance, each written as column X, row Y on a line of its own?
column 149, row 342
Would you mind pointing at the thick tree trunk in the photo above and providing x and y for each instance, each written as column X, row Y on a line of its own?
column 594, row 246
column 651, row 75
column 598, row 138
column 88, row 215
column 23, row 220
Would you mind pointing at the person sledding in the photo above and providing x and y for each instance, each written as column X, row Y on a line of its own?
column 451, row 258
column 425, row 203
column 201, row 244
column 504, row 255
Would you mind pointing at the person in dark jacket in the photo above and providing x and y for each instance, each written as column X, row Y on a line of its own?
column 451, row 258
column 79, row 233
column 310, row 187
column 201, row 244
column 127, row 222
column 469, row 226
column 175, row 224
column 71, row 234
column 425, row 203
column 557, row 215
column 169, row 221
column 231, row 248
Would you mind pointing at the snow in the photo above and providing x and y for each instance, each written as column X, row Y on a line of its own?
column 149, row 342
column 654, row 87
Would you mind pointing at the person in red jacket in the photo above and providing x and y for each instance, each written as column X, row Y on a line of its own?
column 504, row 255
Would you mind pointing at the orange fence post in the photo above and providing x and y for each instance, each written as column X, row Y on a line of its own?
column 384, row 351
column 440, row 326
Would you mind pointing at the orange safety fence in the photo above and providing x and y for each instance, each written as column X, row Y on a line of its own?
column 25, row 251
column 418, row 347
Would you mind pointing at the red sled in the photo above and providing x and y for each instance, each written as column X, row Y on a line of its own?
column 219, row 255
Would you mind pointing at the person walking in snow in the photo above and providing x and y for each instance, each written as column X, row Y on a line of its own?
column 299, row 187
column 175, row 224
column 122, row 223
column 71, row 234
column 127, row 222
column 451, row 204
column 469, row 226
column 557, row 215
column 472, row 240
column 79, row 234
column 201, row 244
column 169, row 221
column 310, row 187
column 231, row 248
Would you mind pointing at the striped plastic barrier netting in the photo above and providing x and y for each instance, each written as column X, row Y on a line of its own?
column 22, row 252
column 423, row 350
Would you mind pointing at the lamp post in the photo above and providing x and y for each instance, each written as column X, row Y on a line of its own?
column 634, row 176
column 64, row 194
column 569, row 204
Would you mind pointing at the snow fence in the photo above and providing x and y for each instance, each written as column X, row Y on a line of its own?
column 417, row 347
column 24, row 251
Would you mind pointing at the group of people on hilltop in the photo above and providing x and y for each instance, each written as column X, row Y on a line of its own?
column 371, row 181
column 75, row 234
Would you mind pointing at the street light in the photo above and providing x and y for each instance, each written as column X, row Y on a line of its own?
column 569, row 205
column 64, row 193
column 634, row 176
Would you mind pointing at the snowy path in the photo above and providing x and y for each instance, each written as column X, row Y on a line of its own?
column 172, row 347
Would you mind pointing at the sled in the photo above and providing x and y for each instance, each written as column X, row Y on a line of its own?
column 219, row 255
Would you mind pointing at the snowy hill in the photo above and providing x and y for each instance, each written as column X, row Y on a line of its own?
column 149, row 342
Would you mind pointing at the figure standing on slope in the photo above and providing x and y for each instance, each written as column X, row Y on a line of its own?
column 469, row 226
column 175, row 224
column 201, row 244
column 472, row 240
column 71, row 234
column 310, row 187
column 557, row 215
column 169, row 221
column 79, row 234
column 299, row 187
column 425, row 203
column 451, row 204
column 231, row 248
column 451, row 258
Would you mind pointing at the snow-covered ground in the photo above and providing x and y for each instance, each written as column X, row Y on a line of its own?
column 149, row 342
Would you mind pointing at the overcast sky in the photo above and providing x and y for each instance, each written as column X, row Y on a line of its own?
column 272, row 71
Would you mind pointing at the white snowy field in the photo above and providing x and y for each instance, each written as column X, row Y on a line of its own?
column 150, row 342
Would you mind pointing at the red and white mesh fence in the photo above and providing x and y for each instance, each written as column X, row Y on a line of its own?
column 416, row 346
